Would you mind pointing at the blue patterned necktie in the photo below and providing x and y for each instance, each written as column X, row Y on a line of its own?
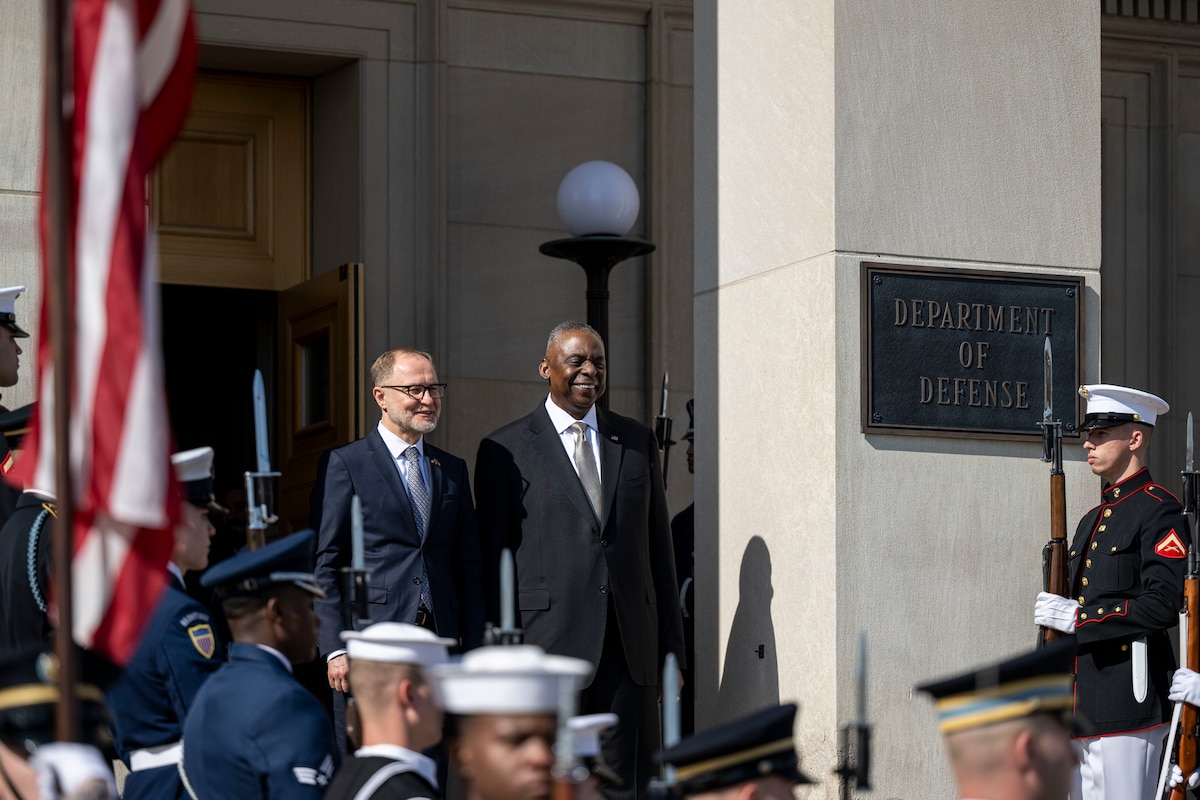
column 421, row 505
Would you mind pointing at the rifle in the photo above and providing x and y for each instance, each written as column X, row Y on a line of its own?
column 1055, row 579
column 855, row 763
column 258, row 493
column 662, row 431
column 1189, row 635
column 665, row 787
column 508, row 632
column 568, row 770
column 355, row 610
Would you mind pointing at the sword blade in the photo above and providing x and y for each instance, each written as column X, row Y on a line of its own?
column 1048, row 376
column 261, row 450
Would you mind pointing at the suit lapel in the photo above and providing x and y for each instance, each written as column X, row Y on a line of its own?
column 390, row 474
column 550, row 449
column 435, row 485
column 611, row 449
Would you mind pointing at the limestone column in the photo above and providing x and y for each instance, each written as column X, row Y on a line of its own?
column 828, row 133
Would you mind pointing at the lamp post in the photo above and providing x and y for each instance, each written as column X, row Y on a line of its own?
column 598, row 203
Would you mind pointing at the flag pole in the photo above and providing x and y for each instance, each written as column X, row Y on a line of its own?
column 57, row 200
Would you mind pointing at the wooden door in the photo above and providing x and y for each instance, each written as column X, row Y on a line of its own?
column 321, row 381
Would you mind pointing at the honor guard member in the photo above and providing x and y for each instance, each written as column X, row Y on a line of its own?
column 1127, row 563
column 397, row 714
column 25, row 572
column 1008, row 726
column 683, row 536
column 10, row 362
column 253, row 731
column 177, row 652
column 504, row 703
column 585, row 737
column 32, row 764
column 750, row 758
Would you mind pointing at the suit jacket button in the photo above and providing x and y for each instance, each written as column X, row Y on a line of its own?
column 417, row 581
column 603, row 590
column 604, row 542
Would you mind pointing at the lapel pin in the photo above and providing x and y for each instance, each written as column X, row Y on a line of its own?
column 615, row 438
column 435, row 462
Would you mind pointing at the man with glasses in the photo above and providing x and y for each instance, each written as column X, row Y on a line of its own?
column 421, row 545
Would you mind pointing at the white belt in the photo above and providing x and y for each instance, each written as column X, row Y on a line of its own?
column 164, row 755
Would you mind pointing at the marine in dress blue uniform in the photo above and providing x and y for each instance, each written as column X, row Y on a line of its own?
column 253, row 730
column 10, row 353
column 25, row 572
column 1127, row 562
column 177, row 653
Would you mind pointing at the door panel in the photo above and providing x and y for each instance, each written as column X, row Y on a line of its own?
column 321, row 379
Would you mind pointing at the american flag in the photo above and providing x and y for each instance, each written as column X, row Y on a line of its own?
column 133, row 64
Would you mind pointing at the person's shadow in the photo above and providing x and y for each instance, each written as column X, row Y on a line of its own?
column 750, row 679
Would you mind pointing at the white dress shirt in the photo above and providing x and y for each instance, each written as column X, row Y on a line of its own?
column 562, row 422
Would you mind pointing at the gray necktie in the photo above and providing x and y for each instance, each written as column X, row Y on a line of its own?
column 585, row 462
column 421, row 505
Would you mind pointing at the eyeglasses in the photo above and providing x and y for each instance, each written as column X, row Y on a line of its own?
column 436, row 390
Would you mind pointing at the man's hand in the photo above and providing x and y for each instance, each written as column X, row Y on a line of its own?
column 1177, row 776
column 73, row 772
column 1185, row 686
column 339, row 673
column 1052, row 611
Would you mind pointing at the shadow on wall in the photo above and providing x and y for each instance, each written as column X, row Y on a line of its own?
column 750, row 679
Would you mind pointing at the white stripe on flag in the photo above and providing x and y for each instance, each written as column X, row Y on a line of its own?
column 104, row 550
column 160, row 46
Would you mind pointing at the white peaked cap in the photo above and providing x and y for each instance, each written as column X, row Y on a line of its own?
column 397, row 643
column 1109, row 405
column 193, row 465
column 519, row 679
column 586, row 730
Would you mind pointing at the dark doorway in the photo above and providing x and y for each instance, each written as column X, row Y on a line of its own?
column 213, row 340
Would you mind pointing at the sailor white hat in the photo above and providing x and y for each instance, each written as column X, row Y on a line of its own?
column 193, row 470
column 1109, row 405
column 586, row 731
column 519, row 679
column 397, row 643
column 8, row 312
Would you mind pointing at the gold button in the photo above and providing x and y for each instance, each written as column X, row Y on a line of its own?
column 1088, row 563
column 1072, row 552
column 1124, row 648
column 1116, row 492
column 1094, row 545
column 1117, row 609
column 1082, row 615
column 1108, row 512
column 1102, row 528
column 1080, row 599
column 1084, row 582
column 1114, row 548
column 1099, row 610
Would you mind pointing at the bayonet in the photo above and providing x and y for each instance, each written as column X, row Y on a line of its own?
column 662, row 430
column 1055, row 578
column 257, row 488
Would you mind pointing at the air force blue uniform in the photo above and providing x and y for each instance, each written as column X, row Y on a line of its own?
column 177, row 653
column 254, row 731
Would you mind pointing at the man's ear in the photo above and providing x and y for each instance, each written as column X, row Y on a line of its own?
column 544, row 369
column 1023, row 750
column 1137, row 438
column 748, row 791
column 461, row 757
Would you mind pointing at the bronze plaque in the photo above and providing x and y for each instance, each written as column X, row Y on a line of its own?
column 960, row 352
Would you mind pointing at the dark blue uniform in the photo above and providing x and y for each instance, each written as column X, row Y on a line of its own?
column 378, row 777
column 255, row 732
column 25, row 574
column 1128, row 559
column 177, row 653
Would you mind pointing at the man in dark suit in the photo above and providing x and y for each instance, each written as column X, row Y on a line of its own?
column 420, row 540
column 576, row 493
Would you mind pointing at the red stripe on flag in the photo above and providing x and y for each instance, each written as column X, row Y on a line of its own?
column 133, row 64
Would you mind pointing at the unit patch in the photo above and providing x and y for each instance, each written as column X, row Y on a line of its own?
column 1171, row 546
column 203, row 639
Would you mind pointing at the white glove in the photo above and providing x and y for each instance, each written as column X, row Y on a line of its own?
column 66, row 769
column 1177, row 776
column 1185, row 686
column 1052, row 611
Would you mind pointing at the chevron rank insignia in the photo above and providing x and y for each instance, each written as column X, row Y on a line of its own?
column 1171, row 546
column 7, row 464
column 203, row 639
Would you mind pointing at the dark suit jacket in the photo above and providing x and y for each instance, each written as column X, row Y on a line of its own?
column 568, row 563
column 392, row 547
